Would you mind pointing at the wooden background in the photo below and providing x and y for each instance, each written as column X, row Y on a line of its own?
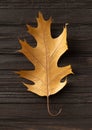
column 22, row 110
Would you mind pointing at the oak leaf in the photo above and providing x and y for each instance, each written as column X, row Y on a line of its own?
column 46, row 75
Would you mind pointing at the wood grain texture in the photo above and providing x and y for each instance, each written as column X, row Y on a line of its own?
column 22, row 110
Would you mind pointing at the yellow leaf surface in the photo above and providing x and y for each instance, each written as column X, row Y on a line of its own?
column 46, row 75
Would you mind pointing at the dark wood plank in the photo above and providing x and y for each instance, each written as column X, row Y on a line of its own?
column 26, row 115
column 52, row 4
column 21, row 16
column 23, row 110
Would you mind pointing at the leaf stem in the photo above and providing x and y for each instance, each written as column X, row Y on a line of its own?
column 49, row 111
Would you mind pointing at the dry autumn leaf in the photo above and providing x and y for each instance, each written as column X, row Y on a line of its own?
column 47, row 75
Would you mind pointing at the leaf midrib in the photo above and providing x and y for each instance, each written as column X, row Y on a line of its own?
column 47, row 61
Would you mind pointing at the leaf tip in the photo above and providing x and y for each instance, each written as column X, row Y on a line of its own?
column 20, row 41
column 27, row 25
column 72, row 72
column 66, row 24
column 40, row 14
column 26, row 85
column 16, row 72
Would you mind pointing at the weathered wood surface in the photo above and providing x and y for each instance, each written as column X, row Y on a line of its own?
column 22, row 110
